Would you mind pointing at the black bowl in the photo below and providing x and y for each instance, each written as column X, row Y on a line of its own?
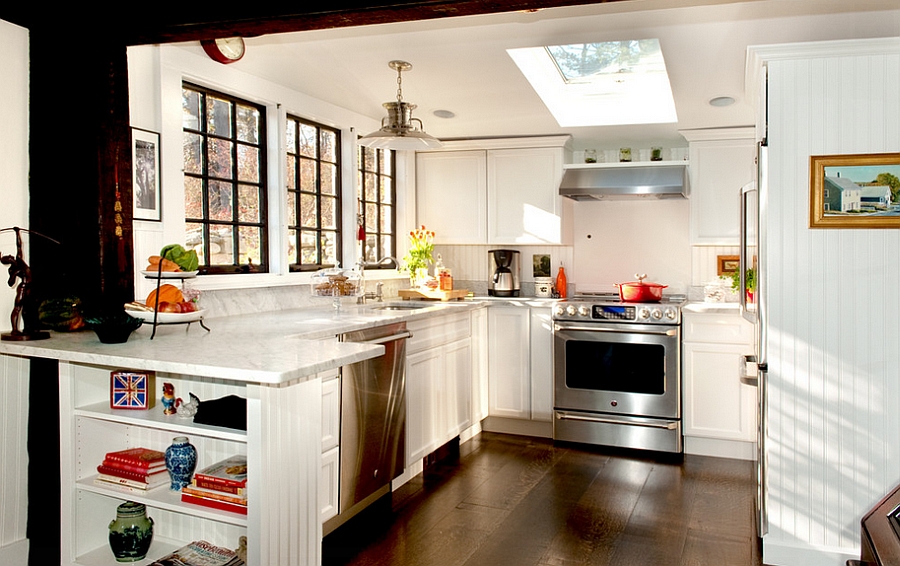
column 114, row 329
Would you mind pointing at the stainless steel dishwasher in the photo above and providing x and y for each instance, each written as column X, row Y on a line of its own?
column 373, row 421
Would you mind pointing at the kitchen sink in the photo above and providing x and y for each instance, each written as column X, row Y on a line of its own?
column 400, row 307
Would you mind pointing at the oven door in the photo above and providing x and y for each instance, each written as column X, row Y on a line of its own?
column 625, row 369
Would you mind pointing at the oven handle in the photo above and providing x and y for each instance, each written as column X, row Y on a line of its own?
column 667, row 425
column 624, row 330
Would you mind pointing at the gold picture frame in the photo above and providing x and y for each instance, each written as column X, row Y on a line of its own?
column 727, row 264
column 854, row 191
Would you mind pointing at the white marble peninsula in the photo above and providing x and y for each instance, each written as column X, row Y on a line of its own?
column 276, row 360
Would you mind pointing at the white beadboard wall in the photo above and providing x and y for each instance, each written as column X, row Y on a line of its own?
column 13, row 371
column 834, row 319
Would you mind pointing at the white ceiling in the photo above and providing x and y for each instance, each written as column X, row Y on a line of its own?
column 461, row 64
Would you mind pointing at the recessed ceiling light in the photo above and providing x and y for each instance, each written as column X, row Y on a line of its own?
column 721, row 101
column 444, row 114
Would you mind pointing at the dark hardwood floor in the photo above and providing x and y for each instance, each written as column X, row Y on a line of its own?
column 517, row 501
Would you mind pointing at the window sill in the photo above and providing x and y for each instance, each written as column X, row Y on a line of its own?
column 259, row 280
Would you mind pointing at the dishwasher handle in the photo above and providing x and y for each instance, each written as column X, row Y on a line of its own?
column 386, row 339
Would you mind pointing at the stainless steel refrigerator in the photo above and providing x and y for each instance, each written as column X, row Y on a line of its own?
column 753, row 308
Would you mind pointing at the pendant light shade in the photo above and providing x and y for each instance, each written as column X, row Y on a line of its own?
column 399, row 130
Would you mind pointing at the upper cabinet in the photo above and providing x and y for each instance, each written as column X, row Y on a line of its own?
column 722, row 161
column 503, row 191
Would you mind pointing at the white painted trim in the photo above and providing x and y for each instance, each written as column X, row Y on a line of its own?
column 718, row 448
column 506, row 143
column 718, row 134
column 539, row 429
column 774, row 553
column 15, row 554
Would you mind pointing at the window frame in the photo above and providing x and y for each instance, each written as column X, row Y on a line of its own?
column 261, row 184
column 361, row 185
column 295, row 264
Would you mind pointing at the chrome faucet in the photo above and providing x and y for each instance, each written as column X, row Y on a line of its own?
column 378, row 295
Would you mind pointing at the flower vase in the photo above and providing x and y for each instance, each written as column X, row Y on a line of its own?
column 131, row 532
column 181, row 460
column 418, row 277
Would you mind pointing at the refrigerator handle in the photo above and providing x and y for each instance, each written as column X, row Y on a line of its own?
column 749, row 370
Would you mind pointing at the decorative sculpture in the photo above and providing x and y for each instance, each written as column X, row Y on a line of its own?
column 22, row 328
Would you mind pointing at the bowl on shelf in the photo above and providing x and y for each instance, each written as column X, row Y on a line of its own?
column 114, row 328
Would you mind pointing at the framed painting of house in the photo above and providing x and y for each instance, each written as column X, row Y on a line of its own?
column 854, row 191
column 145, row 171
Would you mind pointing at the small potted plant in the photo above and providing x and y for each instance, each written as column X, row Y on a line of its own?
column 419, row 255
column 750, row 282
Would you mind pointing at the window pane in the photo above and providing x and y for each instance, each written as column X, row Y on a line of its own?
column 247, row 124
column 329, row 213
column 387, row 190
column 291, row 173
column 221, row 245
column 218, row 120
column 292, row 209
column 329, row 248
column 371, row 217
column 371, row 188
column 220, row 162
column 291, row 137
column 386, row 218
column 309, row 251
column 193, row 240
column 291, row 244
column 309, row 211
column 250, row 202
column 369, row 159
column 248, row 163
column 371, row 251
column 307, row 142
column 385, row 162
column 193, row 155
column 190, row 109
column 250, row 245
column 329, row 179
column 307, row 175
column 193, row 197
column 387, row 244
column 220, row 201
column 329, row 146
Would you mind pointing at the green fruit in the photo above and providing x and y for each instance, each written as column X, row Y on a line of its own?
column 186, row 260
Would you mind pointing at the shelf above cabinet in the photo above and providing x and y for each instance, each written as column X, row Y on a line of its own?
column 155, row 419
column 625, row 164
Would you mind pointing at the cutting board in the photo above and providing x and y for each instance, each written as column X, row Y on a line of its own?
column 455, row 294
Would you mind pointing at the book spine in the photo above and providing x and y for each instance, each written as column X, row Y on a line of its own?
column 129, row 483
column 134, row 475
column 215, row 480
column 155, row 467
column 237, row 500
column 214, row 503
column 206, row 484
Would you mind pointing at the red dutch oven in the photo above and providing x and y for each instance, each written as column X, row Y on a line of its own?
column 639, row 291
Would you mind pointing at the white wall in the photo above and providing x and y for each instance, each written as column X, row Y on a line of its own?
column 13, row 371
column 834, row 317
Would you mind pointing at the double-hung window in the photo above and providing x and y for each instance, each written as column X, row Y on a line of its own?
column 224, row 148
column 377, row 204
column 313, row 195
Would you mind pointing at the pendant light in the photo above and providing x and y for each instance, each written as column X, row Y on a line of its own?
column 399, row 130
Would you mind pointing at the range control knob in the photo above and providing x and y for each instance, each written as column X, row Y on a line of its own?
column 558, row 310
column 571, row 310
column 643, row 313
column 656, row 314
column 583, row 310
column 671, row 314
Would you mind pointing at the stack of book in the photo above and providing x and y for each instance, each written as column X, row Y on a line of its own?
column 134, row 469
column 220, row 486
column 200, row 553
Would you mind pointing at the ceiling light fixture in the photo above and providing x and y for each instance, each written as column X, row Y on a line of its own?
column 399, row 130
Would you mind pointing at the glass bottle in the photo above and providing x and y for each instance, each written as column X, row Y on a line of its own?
column 561, row 282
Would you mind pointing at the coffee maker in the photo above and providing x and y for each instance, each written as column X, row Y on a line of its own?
column 504, row 270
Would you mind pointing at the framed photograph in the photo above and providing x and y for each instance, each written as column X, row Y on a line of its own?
column 727, row 264
column 145, row 174
column 854, row 191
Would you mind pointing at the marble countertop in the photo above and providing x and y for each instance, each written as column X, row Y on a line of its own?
column 712, row 308
column 269, row 347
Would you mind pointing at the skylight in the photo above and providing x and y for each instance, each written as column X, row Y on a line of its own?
column 600, row 84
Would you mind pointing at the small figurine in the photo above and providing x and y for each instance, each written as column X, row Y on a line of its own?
column 168, row 399
column 189, row 409
column 241, row 550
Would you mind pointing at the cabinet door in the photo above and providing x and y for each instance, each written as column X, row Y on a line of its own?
column 716, row 403
column 524, row 206
column 718, row 171
column 479, row 365
column 541, row 364
column 509, row 362
column 451, row 195
column 328, row 484
column 424, row 389
column 458, row 387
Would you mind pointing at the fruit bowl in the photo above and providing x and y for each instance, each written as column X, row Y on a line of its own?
column 115, row 328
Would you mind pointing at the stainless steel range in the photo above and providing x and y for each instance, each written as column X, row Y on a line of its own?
column 617, row 372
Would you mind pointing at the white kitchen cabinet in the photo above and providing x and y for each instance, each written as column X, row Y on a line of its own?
column 438, row 383
column 329, row 481
column 479, row 365
column 494, row 192
column 520, row 374
column 722, row 161
column 719, row 411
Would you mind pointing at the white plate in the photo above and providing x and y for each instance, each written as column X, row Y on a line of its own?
column 166, row 317
column 170, row 274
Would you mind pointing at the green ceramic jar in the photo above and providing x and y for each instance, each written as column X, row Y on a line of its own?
column 131, row 532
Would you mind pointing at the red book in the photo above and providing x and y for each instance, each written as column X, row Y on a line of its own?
column 140, row 457
column 145, row 475
column 229, row 472
column 205, row 484
column 134, row 468
column 214, row 503
column 213, row 494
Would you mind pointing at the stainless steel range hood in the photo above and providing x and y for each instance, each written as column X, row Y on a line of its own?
column 625, row 182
